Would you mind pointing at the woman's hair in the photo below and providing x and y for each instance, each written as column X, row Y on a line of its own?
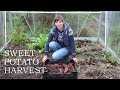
column 57, row 18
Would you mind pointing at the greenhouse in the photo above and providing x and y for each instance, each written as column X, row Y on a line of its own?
column 96, row 35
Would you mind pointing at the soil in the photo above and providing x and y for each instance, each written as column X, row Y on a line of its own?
column 91, row 64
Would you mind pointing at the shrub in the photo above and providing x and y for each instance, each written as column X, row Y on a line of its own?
column 38, row 43
column 19, row 38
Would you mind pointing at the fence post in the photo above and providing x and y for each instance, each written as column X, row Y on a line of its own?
column 4, row 27
column 10, row 22
column 106, row 26
column 99, row 26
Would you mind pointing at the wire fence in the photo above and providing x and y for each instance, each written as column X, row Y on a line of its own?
column 104, row 25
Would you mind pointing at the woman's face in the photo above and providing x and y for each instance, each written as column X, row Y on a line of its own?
column 59, row 24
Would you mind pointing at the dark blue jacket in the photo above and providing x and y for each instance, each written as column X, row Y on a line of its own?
column 68, row 39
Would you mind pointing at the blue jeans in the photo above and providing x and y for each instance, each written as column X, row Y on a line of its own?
column 59, row 51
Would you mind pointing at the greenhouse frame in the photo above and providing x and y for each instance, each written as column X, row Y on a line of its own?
column 104, row 26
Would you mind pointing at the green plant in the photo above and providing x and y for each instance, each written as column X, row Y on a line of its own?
column 88, row 60
column 19, row 38
column 78, row 50
column 31, row 45
column 18, row 23
column 76, row 43
column 1, row 55
column 114, row 36
column 39, row 29
column 38, row 43
column 112, row 59
column 105, row 54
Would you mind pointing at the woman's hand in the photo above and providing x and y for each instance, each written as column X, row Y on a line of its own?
column 44, row 58
column 75, row 59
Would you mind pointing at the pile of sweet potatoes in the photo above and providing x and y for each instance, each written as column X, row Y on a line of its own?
column 60, row 68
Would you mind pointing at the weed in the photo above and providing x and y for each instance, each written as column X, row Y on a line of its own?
column 88, row 60
column 112, row 59
column 78, row 50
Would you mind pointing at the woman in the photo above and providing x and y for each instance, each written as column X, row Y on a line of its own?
column 60, row 40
